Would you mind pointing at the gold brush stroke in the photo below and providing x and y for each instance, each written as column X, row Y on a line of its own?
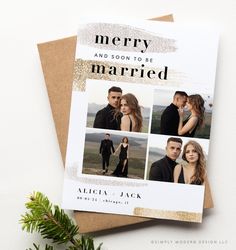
column 158, row 44
column 82, row 72
column 165, row 214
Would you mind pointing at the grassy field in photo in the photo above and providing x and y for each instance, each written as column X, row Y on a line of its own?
column 92, row 161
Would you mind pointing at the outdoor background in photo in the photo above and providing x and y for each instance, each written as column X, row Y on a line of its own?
column 92, row 160
column 163, row 98
column 97, row 98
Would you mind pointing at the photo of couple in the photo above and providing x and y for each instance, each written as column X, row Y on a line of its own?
column 107, row 148
column 187, row 115
column 114, row 154
column 119, row 108
column 190, row 170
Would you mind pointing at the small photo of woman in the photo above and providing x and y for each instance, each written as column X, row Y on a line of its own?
column 194, row 170
column 195, row 106
column 132, row 119
column 122, row 167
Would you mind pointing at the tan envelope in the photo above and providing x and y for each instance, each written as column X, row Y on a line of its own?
column 57, row 59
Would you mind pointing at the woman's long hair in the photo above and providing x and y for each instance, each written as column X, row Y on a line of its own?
column 135, row 108
column 125, row 138
column 200, row 170
column 197, row 103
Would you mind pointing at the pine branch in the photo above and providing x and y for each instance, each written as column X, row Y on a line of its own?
column 47, row 247
column 52, row 223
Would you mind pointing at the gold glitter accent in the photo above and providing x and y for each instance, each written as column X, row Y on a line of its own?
column 82, row 71
column 165, row 214
column 158, row 44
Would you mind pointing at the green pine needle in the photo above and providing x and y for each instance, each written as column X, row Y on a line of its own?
column 47, row 247
column 52, row 223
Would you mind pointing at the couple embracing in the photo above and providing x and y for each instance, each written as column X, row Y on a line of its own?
column 123, row 112
column 172, row 118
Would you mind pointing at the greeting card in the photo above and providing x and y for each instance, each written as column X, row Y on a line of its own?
column 140, row 119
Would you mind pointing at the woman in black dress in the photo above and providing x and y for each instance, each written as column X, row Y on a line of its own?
column 188, row 127
column 122, row 167
column 194, row 171
column 132, row 119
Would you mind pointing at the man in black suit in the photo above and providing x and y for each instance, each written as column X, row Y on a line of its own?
column 170, row 116
column 105, row 117
column 106, row 148
column 163, row 169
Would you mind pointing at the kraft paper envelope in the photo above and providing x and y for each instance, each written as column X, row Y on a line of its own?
column 57, row 59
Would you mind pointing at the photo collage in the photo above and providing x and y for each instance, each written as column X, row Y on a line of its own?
column 139, row 131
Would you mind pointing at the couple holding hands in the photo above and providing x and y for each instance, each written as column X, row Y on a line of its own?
column 107, row 148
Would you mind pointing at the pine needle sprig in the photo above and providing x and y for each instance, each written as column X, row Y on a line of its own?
column 52, row 223
column 47, row 247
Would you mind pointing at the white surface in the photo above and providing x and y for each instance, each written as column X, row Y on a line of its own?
column 30, row 157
